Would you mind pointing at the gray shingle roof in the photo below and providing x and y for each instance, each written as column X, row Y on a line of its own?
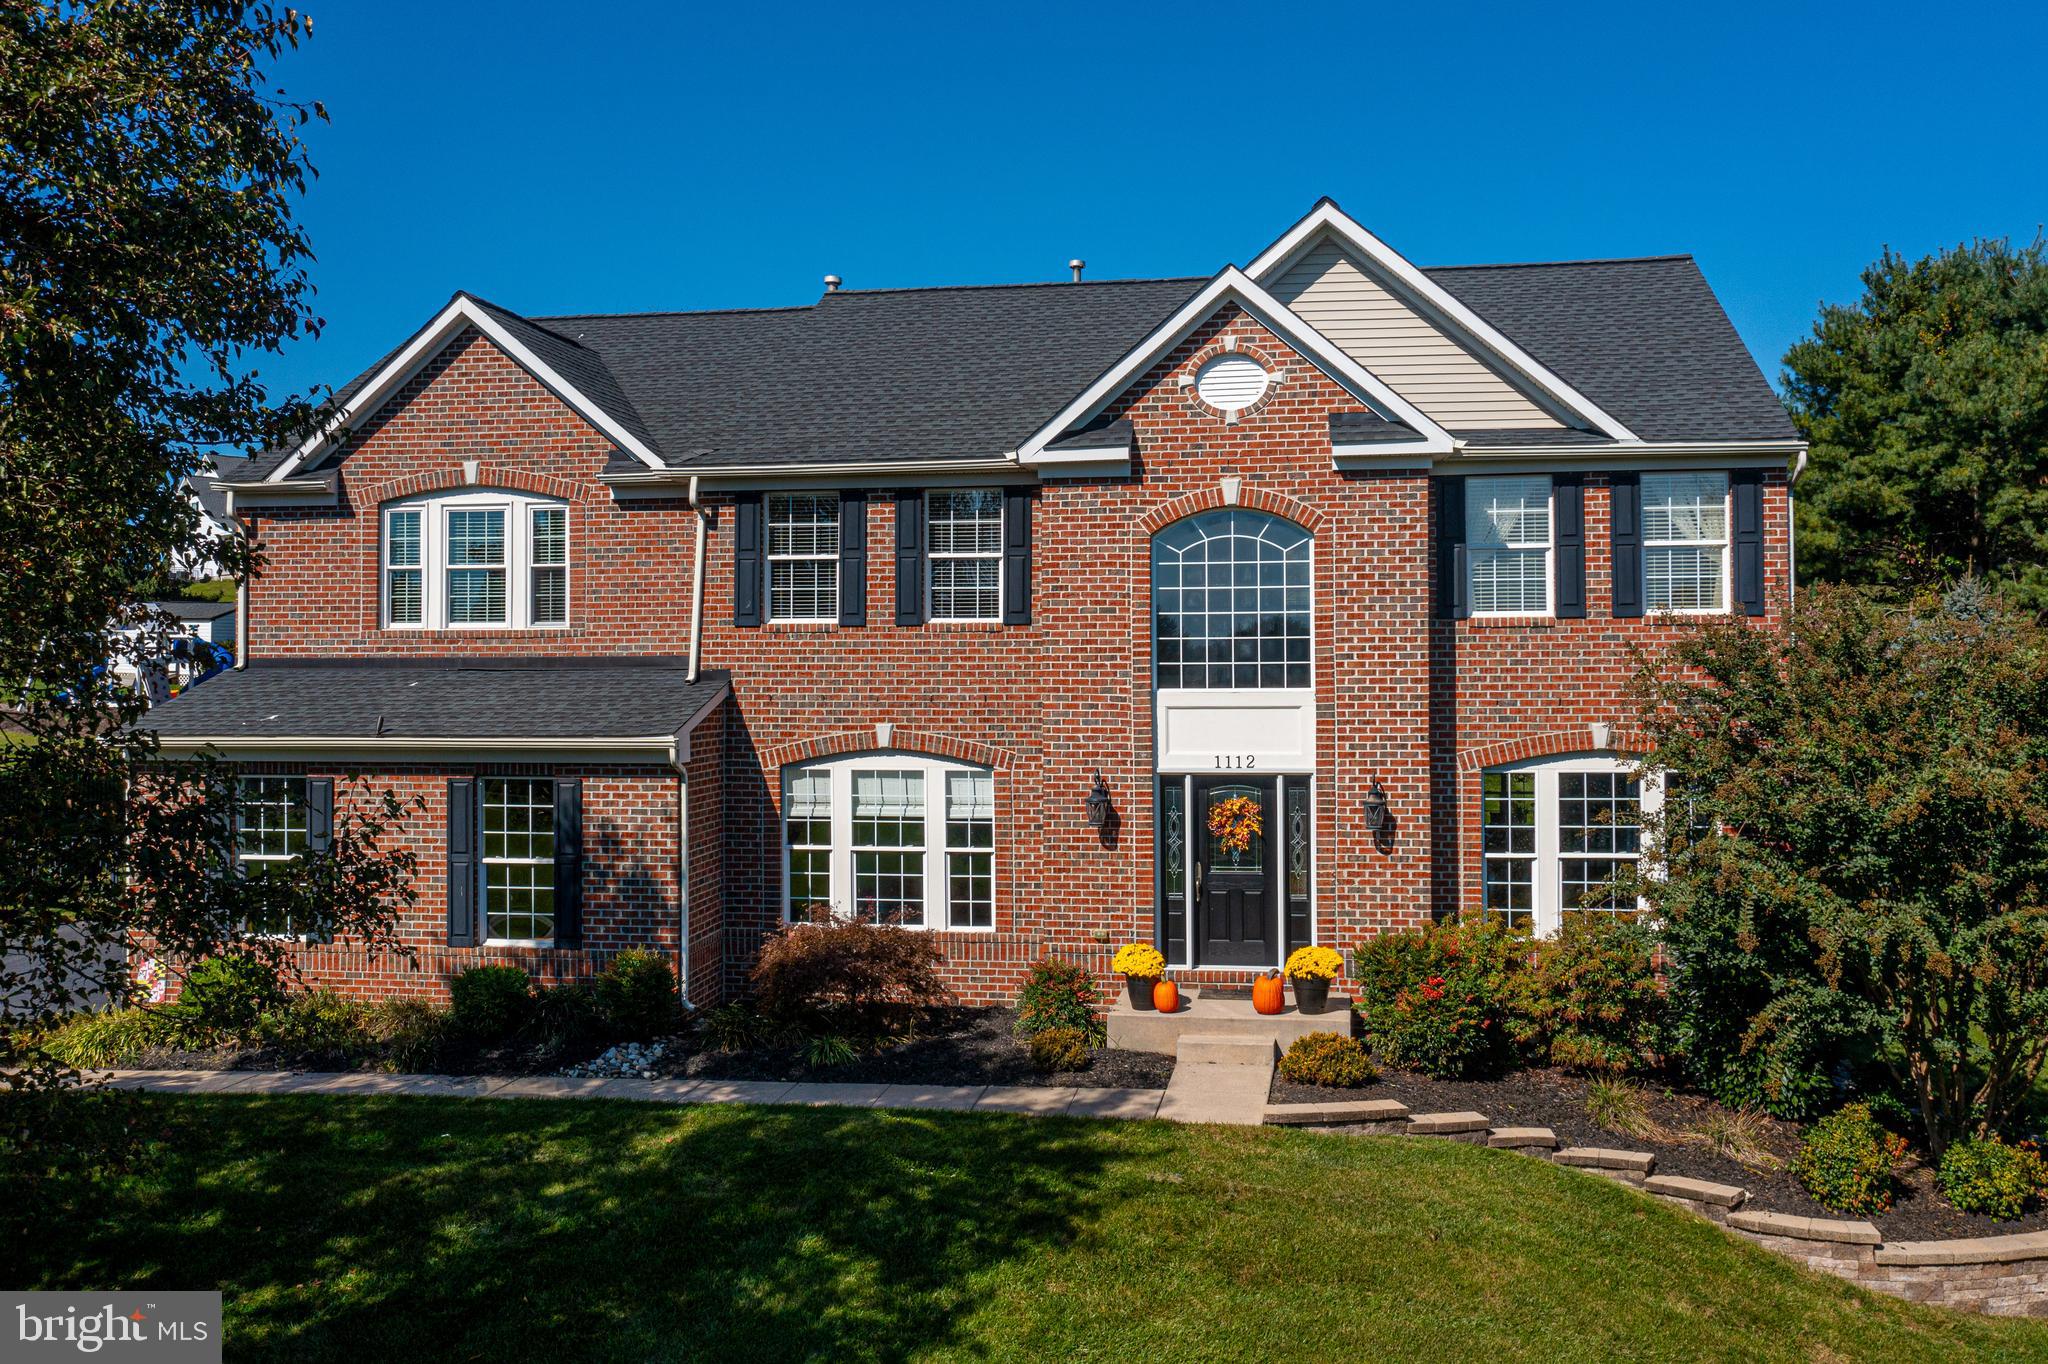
column 185, row 608
column 441, row 699
column 905, row 375
column 1368, row 426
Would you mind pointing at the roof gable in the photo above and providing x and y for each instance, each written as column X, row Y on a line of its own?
column 1424, row 297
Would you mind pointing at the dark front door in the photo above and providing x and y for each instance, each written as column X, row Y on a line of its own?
column 1236, row 907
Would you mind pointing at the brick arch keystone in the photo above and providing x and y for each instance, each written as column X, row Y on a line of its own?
column 1250, row 496
column 903, row 739
column 1550, row 745
column 507, row 477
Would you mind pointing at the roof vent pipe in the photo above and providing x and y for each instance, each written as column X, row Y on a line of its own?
column 832, row 283
column 1077, row 265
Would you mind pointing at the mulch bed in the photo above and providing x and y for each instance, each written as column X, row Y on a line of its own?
column 957, row 1047
column 1553, row 1099
column 458, row 1058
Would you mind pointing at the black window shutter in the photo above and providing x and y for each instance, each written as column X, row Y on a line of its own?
column 748, row 563
column 1453, row 582
column 1625, row 522
column 568, row 862
column 1016, row 556
column 461, row 862
column 1748, row 486
column 320, row 826
column 853, row 557
column 910, row 558
column 1568, row 498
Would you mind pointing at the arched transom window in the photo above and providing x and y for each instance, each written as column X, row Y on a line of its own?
column 1230, row 602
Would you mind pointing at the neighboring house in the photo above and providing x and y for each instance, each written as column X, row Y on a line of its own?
column 215, row 515
column 968, row 608
column 200, row 640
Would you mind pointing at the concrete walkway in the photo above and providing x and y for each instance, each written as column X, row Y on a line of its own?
column 1199, row 1105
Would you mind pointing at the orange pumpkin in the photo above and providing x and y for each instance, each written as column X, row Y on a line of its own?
column 1269, row 993
column 1166, row 997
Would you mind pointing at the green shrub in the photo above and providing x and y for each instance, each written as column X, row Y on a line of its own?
column 846, row 972
column 731, row 1027
column 1619, row 1106
column 490, row 1002
column 1845, row 1161
column 1328, row 1059
column 1058, row 994
column 636, row 995
column 1589, row 1000
column 829, row 1049
column 317, row 1023
column 563, row 1015
column 232, row 991
column 413, row 1034
column 1983, row 1174
column 121, row 1037
column 1433, row 999
column 1058, row 1049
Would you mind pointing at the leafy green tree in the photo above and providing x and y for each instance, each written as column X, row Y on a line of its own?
column 1926, row 403
column 148, row 258
column 1856, row 835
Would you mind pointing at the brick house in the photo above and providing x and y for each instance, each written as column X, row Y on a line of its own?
column 965, row 608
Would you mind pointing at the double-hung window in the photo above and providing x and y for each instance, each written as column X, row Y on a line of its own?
column 476, row 560
column 1561, row 836
column 890, row 838
column 965, row 528
column 1508, row 544
column 271, row 821
column 803, row 556
column 518, row 857
column 1685, row 542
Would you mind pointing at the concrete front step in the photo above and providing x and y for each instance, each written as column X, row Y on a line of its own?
column 1210, row 1015
column 1224, row 1049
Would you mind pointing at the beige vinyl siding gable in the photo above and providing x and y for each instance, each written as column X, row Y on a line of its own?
column 1333, row 292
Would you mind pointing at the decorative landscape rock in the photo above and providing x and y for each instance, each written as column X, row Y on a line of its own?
column 627, row 1060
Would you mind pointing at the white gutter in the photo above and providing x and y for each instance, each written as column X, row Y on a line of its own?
column 696, row 584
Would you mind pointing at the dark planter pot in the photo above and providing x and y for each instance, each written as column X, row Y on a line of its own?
column 1140, row 988
column 1311, row 994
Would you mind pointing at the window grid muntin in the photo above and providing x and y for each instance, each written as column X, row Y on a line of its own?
column 548, row 576
column 964, row 553
column 517, row 844
column 1685, row 541
column 1507, row 837
column 1599, row 828
column 889, row 833
column 1232, row 605
column 1508, row 544
column 803, row 556
column 270, row 819
column 405, row 567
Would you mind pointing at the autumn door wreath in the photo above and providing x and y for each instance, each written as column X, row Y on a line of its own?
column 1233, row 823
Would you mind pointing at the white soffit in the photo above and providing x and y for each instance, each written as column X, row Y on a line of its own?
column 1326, row 219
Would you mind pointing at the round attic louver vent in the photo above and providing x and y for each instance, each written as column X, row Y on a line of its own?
column 1231, row 382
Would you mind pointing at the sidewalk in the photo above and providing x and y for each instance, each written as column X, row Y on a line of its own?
column 1042, row 1102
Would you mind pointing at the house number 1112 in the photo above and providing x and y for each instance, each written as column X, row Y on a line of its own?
column 1236, row 762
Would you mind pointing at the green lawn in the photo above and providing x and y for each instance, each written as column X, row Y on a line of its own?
column 389, row 1229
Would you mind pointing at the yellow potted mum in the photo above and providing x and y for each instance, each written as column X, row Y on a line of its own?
column 1141, row 966
column 1312, row 969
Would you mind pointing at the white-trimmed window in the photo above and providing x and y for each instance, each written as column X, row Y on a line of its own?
column 803, row 556
column 965, row 530
column 271, row 821
column 1231, row 604
column 890, row 838
column 518, row 858
column 1685, row 542
column 1507, row 544
column 476, row 560
column 1556, row 834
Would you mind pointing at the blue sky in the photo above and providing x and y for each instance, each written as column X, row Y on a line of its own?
column 614, row 158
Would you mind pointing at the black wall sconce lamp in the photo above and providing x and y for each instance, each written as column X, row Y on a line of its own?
column 1099, row 809
column 1376, row 808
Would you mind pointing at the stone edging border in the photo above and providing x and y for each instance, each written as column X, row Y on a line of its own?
column 1998, row 1275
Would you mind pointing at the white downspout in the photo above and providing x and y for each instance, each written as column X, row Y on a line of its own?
column 683, row 880
column 696, row 584
column 241, row 591
column 1792, row 532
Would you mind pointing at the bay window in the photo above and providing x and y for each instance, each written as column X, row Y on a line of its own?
column 475, row 560
column 890, row 838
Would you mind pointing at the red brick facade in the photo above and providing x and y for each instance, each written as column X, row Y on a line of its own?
column 1417, row 704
